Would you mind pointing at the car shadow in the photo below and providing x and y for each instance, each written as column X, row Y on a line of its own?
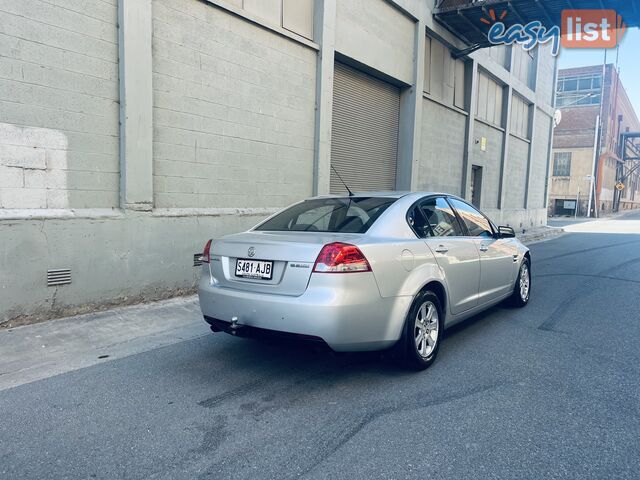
column 475, row 320
column 279, row 360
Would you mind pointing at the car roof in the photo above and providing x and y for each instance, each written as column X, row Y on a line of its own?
column 385, row 194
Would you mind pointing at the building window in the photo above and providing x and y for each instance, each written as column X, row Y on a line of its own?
column 444, row 76
column 489, row 100
column 562, row 164
column 520, row 111
column 293, row 15
column 579, row 90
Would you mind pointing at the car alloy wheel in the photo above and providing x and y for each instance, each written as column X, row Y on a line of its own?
column 426, row 329
column 522, row 287
column 421, row 334
column 525, row 282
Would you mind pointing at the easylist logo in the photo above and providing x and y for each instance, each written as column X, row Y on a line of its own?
column 579, row 29
column 591, row 28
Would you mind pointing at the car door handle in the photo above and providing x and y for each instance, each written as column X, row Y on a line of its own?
column 441, row 249
column 484, row 248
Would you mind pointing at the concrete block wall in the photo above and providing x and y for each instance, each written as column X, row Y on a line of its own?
column 516, row 173
column 58, row 104
column 115, row 259
column 442, row 148
column 233, row 122
column 490, row 160
column 540, row 157
column 234, row 109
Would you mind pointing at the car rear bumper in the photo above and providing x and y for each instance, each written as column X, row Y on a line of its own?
column 344, row 310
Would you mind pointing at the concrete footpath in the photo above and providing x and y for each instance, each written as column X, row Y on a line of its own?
column 33, row 352
column 539, row 234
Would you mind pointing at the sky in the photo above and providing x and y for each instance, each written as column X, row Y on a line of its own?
column 628, row 62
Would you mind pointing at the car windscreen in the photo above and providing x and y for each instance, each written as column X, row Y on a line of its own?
column 335, row 215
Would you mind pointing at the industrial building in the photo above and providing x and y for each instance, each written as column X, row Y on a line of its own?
column 133, row 131
column 588, row 148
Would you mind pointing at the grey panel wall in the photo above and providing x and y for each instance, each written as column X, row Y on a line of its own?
column 294, row 15
column 374, row 32
column 442, row 148
column 58, row 104
column 234, row 109
column 545, row 86
column 297, row 16
column 490, row 160
column 500, row 54
column 516, row 174
column 523, row 65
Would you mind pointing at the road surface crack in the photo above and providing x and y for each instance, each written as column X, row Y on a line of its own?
column 353, row 426
column 556, row 316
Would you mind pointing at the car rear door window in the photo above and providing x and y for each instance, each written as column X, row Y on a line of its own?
column 441, row 219
column 476, row 223
column 417, row 222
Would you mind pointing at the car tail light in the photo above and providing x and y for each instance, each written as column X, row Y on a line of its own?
column 206, row 255
column 341, row 258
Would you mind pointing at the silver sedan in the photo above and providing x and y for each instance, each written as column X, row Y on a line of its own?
column 364, row 272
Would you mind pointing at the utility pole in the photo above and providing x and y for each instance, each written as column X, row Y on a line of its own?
column 598, row 147
column 592, row 186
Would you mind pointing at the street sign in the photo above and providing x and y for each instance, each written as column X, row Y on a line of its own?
column 619, row 186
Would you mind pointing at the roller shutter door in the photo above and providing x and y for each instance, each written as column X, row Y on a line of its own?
column 364, row 137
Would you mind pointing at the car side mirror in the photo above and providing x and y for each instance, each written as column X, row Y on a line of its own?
column 506, row 232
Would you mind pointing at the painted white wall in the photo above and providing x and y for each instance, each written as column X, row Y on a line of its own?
column 33, row 168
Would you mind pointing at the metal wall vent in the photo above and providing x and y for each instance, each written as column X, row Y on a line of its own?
column 59, row 276
column 197, row 259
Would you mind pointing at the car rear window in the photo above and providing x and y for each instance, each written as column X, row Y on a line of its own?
column 335, row 215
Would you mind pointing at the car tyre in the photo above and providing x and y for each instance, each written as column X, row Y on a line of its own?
column 522, row 288
column 423, row 332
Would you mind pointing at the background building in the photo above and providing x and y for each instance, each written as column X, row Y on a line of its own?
column 583, row 97
column 124, row 148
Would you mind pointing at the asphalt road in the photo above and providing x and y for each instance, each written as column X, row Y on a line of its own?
column 549, row 391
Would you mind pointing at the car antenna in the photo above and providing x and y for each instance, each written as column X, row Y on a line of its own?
column 343, row 182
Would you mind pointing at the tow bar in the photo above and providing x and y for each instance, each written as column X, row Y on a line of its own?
column 234, row 327
column 223, row 326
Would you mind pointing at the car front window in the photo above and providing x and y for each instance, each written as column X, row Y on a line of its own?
column 476, row 223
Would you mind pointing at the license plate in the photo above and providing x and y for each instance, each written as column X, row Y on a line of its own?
column 260, row 269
